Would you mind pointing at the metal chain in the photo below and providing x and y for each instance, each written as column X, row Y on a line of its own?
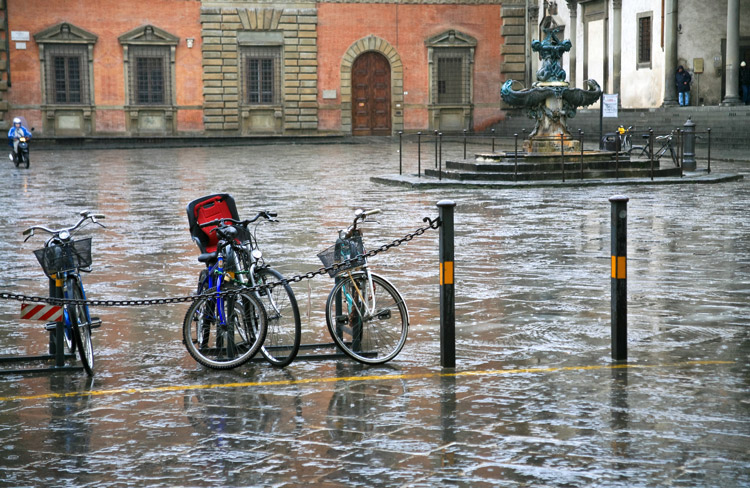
column 431, row 224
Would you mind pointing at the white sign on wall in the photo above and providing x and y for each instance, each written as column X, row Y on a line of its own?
column 609, row 105
column 19, row 36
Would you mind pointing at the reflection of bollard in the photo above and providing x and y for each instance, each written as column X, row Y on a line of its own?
column 619, row 278
column 688, row 157
column 447, row 289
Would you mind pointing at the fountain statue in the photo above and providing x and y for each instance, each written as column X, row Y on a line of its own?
column 549, row 100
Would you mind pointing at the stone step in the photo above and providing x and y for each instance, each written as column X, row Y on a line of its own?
column 552, row 175
column 508, row 166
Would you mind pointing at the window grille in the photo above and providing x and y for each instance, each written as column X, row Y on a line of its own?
column 644, row 40
column 66, row 70
column 262, row 71
column 452, row 76
column 149, row 75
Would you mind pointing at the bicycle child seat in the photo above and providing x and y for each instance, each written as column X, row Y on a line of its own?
column 205, row 209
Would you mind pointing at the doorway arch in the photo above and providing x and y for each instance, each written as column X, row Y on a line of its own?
column 378, row 45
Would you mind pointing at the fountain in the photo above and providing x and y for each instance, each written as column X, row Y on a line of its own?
column 550, row 102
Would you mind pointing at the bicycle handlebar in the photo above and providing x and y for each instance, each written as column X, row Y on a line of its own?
column 85, row 215
column 221, row 222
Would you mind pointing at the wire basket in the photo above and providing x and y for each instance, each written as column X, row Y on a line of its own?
column 72, row 256
column 341, row 251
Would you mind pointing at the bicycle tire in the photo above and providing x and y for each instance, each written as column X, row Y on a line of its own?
column 284, row 329
column 236, row 341
column 78, row 315
column 374, row 339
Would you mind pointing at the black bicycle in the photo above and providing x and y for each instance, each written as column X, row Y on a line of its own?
column 667, row 145
column 62, row 260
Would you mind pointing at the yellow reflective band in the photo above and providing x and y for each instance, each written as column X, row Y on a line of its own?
column 619, row 268
column 446, row 273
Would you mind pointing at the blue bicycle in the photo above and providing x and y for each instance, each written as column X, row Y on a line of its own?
column 223, row 331
column 62, row 260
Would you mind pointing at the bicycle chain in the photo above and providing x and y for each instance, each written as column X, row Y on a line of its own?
column 432, row 224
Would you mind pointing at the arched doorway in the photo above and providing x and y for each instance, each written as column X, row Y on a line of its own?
column 371, row 95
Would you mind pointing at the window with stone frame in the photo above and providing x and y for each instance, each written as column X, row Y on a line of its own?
column 645, row 28
column 66, row 73
column 261, row 75
column 452, row 76
column 149, row 75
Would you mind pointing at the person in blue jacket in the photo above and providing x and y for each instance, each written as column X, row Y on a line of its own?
column 682, row 79
column 18, row 130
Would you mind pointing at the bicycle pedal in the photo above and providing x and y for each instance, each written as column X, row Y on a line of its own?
column 342, row 320
column 384, row 314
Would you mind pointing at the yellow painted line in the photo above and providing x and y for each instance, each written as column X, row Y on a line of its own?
column 446, row 273
column 619, row 267
column 492, row 372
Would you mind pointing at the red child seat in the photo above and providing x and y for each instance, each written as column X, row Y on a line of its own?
column 206, row 209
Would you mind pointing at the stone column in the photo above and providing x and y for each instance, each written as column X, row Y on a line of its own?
column 617, row 47
column 573, row 8
column 731, row 90
column 670, row 52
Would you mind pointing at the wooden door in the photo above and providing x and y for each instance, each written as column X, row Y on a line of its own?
column 371, row 95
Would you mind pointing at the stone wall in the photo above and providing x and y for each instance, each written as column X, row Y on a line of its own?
column 222, row 90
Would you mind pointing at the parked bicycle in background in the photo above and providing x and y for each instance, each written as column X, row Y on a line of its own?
column 62, row 260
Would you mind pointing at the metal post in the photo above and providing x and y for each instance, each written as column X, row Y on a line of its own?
column 419, row 154
column 689, row 163
column 651, row 150
column 464, row 143
column 709, row 150
column 400, row 152
column 493, row 139
column 617, row 163
column 619, row 278
column 447, row 287
column 562, row 155
column 681, row 152
column 436, row 149
column 440, row 157
column 515, row 156
column 580, row 133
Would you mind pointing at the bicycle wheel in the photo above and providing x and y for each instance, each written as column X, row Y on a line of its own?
column 238, row 323
column 79, row 318
column 368, row 336
column 284, row 326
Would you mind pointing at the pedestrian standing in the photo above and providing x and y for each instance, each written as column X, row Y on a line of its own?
column 745, row 82
column 682, row 80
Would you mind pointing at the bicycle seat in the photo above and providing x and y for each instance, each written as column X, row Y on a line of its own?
column 208, row 257
column 645, row 136
column 661, row 138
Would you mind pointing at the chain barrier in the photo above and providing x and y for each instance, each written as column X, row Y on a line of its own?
column 431, row 224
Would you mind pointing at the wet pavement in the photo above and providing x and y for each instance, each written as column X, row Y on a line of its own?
column 535, row 399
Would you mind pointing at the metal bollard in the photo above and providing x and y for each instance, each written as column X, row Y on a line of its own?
column 436, row 149
column 419, row 154
column 447, row 287
column 580, row 134
column 400, row 152
column 688, row 162
column 709, row 150
column 651, row 150
column 619, row 278
column 515, row 157
column 493, row 139
column 562, row 155
column 464, row 143
column 440, row 156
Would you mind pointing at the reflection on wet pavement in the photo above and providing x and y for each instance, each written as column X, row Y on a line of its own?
column 532, row 279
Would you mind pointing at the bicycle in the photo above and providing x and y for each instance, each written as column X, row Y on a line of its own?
column 666, row 145
column 62, row 260
column 373, row 326
column 284, row 330
column 626, row 142
column 223, row 330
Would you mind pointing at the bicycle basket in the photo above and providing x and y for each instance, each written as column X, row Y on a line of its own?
column 340, row 252
column 57, row 259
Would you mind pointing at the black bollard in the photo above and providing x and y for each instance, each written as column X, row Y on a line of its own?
column 562, row 155
column 515, row 158
column 619, row 278
column 419, row 154
column 436, row 149
column 709, row 149
column 440, row 156
column 447, row 288
column 400, row 152
column 493, row 140
column 464, row 143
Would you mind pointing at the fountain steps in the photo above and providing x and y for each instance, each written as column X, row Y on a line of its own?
column 505, row 170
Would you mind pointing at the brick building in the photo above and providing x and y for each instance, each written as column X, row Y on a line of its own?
column 230, row 67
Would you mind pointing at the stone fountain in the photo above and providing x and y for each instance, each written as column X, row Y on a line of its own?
column 550, row 101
